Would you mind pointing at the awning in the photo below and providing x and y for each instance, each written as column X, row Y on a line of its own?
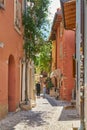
column 56, row 73
column 69, row 13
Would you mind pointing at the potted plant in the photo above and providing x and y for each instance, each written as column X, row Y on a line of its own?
column 49, row 85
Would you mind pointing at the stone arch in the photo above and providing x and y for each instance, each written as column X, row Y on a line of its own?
column 11, row 84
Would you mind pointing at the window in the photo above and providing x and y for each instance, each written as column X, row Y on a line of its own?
column 61, row 50
column 61, row 29
column 17, row 15
column 74, row 67
column 23, row 5
column 2, row 2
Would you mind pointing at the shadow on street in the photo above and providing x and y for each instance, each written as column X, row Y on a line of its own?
column 29, row 118
column 56, row 102
column 68, row 115
column 51, row 101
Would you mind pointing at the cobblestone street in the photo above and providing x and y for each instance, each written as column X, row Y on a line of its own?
column 49, row 114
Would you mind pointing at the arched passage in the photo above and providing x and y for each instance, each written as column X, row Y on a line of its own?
column 11, row 84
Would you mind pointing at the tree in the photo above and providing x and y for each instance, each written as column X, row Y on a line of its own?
column 44, row 58
column 34, row 21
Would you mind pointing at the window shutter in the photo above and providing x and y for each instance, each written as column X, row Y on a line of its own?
column 17, row 14
column 74, row 67
column 2, row 4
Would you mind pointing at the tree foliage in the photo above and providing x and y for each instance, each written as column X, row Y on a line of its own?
column 34, row 21
column 44, row 58
column 49, row 83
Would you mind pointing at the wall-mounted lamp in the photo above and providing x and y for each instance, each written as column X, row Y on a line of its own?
column 1, row 44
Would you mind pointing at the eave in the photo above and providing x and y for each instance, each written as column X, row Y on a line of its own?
column 56, row 22
column 69, row 13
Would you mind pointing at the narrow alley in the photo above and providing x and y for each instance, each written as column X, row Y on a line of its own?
column 49, row 114
column 43, row 50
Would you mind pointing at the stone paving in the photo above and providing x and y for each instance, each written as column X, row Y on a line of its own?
column 49, row 114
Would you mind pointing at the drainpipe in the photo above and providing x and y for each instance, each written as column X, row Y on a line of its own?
column 82, row 127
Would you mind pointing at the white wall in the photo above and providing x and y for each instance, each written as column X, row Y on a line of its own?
column 78, row 40
column 85, row 58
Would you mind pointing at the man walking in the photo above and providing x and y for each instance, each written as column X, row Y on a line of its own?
column 38, row 89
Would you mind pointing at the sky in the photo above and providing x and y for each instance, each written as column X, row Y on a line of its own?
column 53, row 8
column 54, row 4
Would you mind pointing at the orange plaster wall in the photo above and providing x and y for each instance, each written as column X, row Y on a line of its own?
column 69, row 41
column 64, row 62
column 53, row 55
column 13, row 45
column 53, row 61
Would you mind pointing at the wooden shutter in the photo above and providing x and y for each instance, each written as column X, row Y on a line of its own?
column 74, row 67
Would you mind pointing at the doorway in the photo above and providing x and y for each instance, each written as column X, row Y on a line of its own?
column 11, row 85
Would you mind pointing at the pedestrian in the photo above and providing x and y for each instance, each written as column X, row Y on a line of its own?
column 38, row 89
column 44, row 89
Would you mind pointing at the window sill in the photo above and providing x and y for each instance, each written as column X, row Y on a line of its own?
column 17, row 30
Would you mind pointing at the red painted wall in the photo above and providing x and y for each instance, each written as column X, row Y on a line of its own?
column 65, row 52
column 13, row 46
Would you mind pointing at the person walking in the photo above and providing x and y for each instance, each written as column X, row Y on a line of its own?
column 38, row 89
column 44, row 89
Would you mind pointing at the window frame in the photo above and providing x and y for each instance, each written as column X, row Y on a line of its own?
column 2, row 4
column 17, row 17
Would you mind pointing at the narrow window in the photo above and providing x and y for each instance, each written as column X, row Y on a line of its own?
column 2, row 4
column 17, row 15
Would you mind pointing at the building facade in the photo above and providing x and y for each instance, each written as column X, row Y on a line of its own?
column 11, row 53
column 65, row 51
column 79, row 9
